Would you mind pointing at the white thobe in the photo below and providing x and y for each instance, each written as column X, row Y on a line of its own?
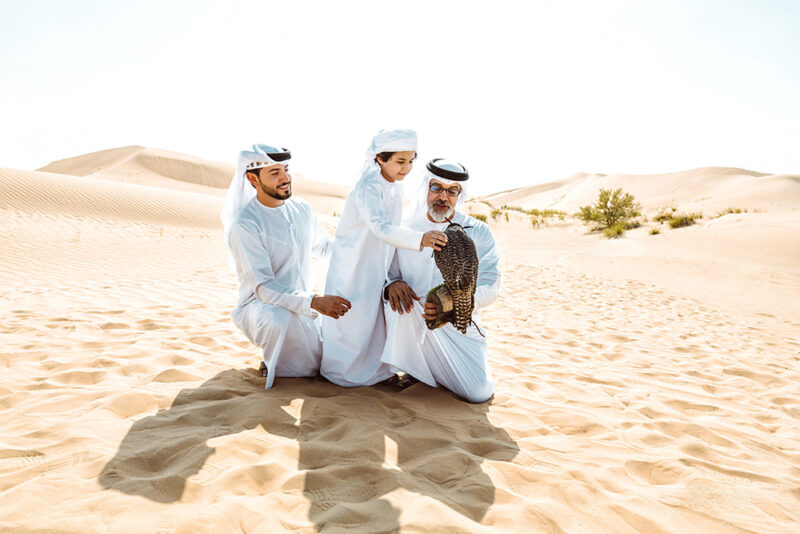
column 443, row 356
column 366, row 238
column 272, row 250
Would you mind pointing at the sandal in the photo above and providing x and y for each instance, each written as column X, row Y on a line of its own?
column 400, row 381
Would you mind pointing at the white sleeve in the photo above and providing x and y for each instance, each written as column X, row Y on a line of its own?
column 393, row 275
column 321, row 245
column 253, row 258
column 369, row 202
column 488, row 285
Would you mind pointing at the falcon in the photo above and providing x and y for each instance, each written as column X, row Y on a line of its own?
column 458, row 263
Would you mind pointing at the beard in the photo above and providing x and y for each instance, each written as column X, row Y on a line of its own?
column 274, row 193
column 440, row 212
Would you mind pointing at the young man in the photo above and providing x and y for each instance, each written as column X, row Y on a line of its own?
column 271, row 237
column 368, row 233
column 443, row 356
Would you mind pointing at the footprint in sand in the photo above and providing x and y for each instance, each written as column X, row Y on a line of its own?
column 15, row 459
column 130, row 404
column 657, row 473
column 175, row 375
column 113, row 326
column 148, row 324
column 83, row 378
column 203, row 340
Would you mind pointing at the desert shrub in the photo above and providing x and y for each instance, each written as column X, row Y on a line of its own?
column 537, row 221
column 506, row 214
column 727, row 211
column 631, row 225
column 496, row 213
column 614, row 231
column 664, row 214
column 680, row 220
column 486, row 202
column 514, row 208
column 479, row 216
column 546, row 214
column 612, row 208
column 655, row 231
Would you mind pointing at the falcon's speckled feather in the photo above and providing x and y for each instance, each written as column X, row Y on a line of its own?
column 458, row 263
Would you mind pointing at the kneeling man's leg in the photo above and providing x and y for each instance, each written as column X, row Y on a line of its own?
column 459, row 363
column 443, row 357
column 291, row 342
column 403, row 348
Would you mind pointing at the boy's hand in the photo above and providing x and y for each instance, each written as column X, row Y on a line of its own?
column 330, row 305
column 434, row 239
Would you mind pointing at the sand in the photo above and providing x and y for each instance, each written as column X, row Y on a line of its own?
column 646, row 384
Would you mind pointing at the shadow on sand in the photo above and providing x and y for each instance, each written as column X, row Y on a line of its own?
column 343, row 437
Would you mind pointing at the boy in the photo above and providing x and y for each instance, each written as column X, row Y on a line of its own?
column 366, row 239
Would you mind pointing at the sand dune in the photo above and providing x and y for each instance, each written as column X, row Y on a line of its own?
column 710, row 188
column 35, row 191
column 647, row 384
column 172, row 170
column 148, row 166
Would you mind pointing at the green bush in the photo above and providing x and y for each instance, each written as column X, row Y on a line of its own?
column 614, row 231
column 611, row 209
column 680, row 220
column 479, row 216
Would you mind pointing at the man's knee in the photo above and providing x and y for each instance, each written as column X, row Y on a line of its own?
column 268, row 323
column 395, row 318
column 275, row 317
column 478, row 394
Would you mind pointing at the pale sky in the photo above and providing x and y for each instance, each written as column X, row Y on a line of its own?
column 520, row 92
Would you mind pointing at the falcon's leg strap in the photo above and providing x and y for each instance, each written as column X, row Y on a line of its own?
column 478, row 327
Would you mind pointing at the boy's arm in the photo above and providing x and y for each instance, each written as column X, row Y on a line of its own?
column 369, row 202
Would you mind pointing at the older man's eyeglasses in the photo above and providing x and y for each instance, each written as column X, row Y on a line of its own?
column 452, row 192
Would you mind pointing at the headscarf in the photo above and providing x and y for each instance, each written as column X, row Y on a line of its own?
column 388, row 141
column 447, row 172
column 241, row 191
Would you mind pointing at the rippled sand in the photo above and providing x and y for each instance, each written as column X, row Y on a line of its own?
column 645, row 385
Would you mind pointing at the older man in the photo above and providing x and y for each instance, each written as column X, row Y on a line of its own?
column 443, row 356
column 271, row 237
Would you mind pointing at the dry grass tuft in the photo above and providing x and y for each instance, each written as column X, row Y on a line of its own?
column 680, row 220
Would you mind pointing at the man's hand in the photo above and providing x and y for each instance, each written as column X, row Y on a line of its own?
column 430, row 311
column 401, row 296
column 434, row 239
column 330, row 305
